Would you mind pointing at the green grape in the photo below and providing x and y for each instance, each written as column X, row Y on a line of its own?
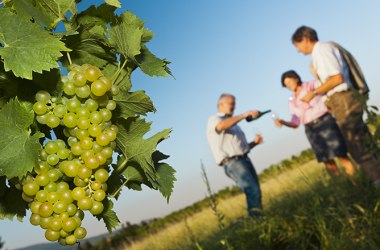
column 115, row 90
column 106, row 82
column 91, row 162
column 83, row 112
column 82, row 133
column 83, row 92
column 106, row 114
column 40, row 108
column 63, row 234
column 30, row 188
column 101, row 158
column 98, row 88
column 46, row 209
column 97, row 208
column 59, row 207
column 107, row 152
column 71, row 240
column 64, row 216
column 70, row 120
column 84, row 172
column 52, row 121
column 99, row 195
column 76, row 149
column 96, row 117
column 71, row 168
column 44, row 222
column 60, row 110
column 83, row 123
column 96, row 185
column 51, row 187
column 69, row 88
column 96, row 147
column 42, row 96
column 102, row 100
column 78, row 221
column 69, row 224
column 35, row 206
column 35, row 219
column 51, row 147
column 80, row 232
column 43, row 155
column 79, row 182
column 73, row 104
column 41, row 119
column 71, row 140
column 66, row 196
column 87, row 153
column 91, row 105
column 79, row 79
column 101, row 175
column 102, row 139
column 41, row 196
column 55, row 224
column 42, row 167
column 71, row 209
column 42, row 179
column 78, row 193
column 63, row 153
column 92, row 73
column 111, row 105
column 53, row 159
column 79, row 214
column 86, row 143
column 52, row 235
column 111, row 134
column 62, row 186
column 85, row 203
column 94, row 130
column 53, row 197
column 54, row 175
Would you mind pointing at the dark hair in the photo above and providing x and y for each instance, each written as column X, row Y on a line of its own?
column 306, row 32
column 290, row 74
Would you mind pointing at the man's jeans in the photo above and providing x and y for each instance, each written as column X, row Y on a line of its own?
column 245, row 177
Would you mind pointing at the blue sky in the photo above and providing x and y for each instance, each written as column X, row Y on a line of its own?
column 241, row 47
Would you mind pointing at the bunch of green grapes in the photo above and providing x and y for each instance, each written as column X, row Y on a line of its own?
column 72, row 172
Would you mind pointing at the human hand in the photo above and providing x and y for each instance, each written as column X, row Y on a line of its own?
column 252, row 113
column 258, row 139
column 308, row 97
column 278, row 123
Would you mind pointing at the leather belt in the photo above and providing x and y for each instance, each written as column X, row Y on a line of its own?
column 232, row 158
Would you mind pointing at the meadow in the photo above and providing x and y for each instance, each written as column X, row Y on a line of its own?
column 304, row 208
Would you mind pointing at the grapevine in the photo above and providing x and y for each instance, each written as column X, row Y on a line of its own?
column 81, row 133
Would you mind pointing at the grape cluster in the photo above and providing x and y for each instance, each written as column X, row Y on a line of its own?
column 72, row 172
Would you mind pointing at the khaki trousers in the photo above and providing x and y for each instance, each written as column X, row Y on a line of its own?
column 348, row 111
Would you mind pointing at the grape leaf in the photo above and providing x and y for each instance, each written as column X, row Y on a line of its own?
column 109, row 216
column 126, row 34
column 11, row 203
column 165, row 179
column 46, row 12
column 26, row 47
column 131, row 104
column 135, row 148
column 19, row 149
column 115, row 3
column 152, row 65
column 101, row 16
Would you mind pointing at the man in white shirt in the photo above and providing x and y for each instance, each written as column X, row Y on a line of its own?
column 230, row 148
column 340, row 98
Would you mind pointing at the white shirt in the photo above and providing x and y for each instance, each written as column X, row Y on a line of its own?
column 228, row 143
column 328, row 61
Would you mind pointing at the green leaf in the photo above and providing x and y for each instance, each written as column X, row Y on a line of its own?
column 151, row 65
column 115, row 3
column 135, row 148
column 165, row 179
column 131, row 104
column 97, row 16
column 109, row 216
column 126, row 34
column 11, row 203
column 19, row 149
column 26, row 47
column 46, row 12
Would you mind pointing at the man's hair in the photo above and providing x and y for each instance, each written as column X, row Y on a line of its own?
column 290, row 74
column 306, row 32
column 222, row 96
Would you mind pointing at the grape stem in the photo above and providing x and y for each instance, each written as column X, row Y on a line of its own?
column 117, row 73
column 119, row 169
column 69, row 58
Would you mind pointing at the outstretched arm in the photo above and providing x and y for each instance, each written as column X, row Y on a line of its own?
column 231, row 121
column 290, row 124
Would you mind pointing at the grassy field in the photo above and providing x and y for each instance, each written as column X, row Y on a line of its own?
column 304, row 209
